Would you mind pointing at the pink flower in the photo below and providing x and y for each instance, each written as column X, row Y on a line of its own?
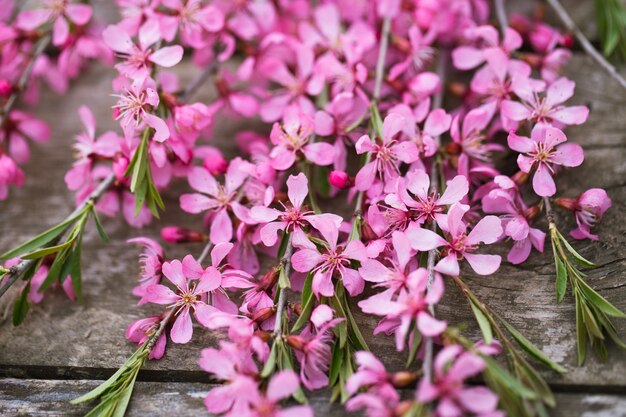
column 293, row 218
column 418, row 51
column 312, row 347
column 194, row 20
column 452, row 367
column 10, row 174
column 588, row 210
column 135, row 106
column 541, row 152
column 371, row 374
column 292, row 137
column 188, row 297
column 548, row 109
column 516, row 220
column 139, row 331
column 138, row 59
column 216, row 198
column 340, row 114
column 458, row 243
column 18, row 129
column 468, row 57
column 387, row 153
column 59, row 12
column 150, row 262
column 282, row 386
column 330, row 260
column 424, row 206
column 411, row 305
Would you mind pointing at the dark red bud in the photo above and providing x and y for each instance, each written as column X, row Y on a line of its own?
column 175, row 234
column 296, row 342
column 6, row 89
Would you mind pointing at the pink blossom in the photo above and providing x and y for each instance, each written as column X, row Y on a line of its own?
column 340, row 114
column 372, row 374
column 418, row 51
column 410, row 305
column 387, row 153
column 59, row 12
column 10, row 174
column 138, row 59
column 216, row 198
column 193, row 18
column 331, row 259
column 135, row 106
column 458, row 243
column 293, row 218
column 19, row 128
column 150, row 262
column 139, row 331
column 281, row 386
column 541, row 152
column 487, row 39
column 548, row 109
column 292, row 137
column 588, row 210
column 312, row 347
column 339, row 179
column 452, row 367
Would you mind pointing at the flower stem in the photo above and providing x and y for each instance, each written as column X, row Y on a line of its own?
column 382, row 56
column 585, row 43
column 282, row 293
column 21, row 83
column 501, row 15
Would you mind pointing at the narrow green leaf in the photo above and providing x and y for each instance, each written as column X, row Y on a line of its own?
column 20, row 308
column 561, row 279
column 307, row 303
column 282, row 248
column 590, row 322
column 48, row 251
column 75, row 272
column 40, row 240
column 322, row 180
column 415, row 345
column 581, row 333
column 270, row 364
column 377, row 121
column 283, row 279
column 578, row 257
column 96, row 219
column 335, row 364
column 600, row 302
column 483, row 323
column 55, row 272
column 124, row 399
column 497, row 372
column 531, row 349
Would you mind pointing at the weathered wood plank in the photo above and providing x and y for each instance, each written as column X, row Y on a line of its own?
column 29, row 397
column 66, row 339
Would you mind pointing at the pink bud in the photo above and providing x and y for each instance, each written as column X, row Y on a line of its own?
column 6, row 89
column 215, row 163
column 175, row 234
column 340, row 179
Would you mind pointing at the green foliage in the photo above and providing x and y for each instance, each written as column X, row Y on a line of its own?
column 611, row 26
column 142, row 184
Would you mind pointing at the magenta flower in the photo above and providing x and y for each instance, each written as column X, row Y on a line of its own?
column 282, row 386
column 216, row 198
column 292, row 138
column 372, row 375
column 61, row 13
column 138, row 59
column 150, row 262
column 516, row 219
column 588, row 210
column 459, row 244
column 452, row 367
column 293, row 218
column 341, row 113
column 548, row 109
column 417, row 51
column 193, row 18
column 487, row 39
column 139, row 331
column 541, row 152
column 312, row 347
column 10, row 174
column 387, row 153
column 19, row 128
column 423, row 206
column 135, row 106
column 186, row 298
column 411, row 305
column 329, row 261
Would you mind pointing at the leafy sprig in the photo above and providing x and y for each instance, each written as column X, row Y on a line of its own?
column 593, row 312
column 142, row 184
column 611, row 26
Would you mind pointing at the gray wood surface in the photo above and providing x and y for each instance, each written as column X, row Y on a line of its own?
column 61, row 341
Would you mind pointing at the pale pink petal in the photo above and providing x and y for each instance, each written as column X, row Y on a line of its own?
column 173, row 271
column 543, row 183
column 519, row 251
column 478, row 400
column 365, row 177
column 168, row 56
column 430, row 326
column 61, row 31
column 282, row 158
column 424, row 239
column 322, row 283
column 487, row 230
column 456, row 189
column 221, row 227
column 32, row 19
column 393, row 123
column 483, row 264
column 297, row 189
column 437, row 122
column 117, row 39
column 305, row 260
column 467, row 57
column 269, row 232
column 324, row 123
column 321, row 153
column 162, row 132
column 282, row 385
column 210, row 280
column 79, row 13
column 559, row 91
column 514, row 110
column 196, row 203
column 569, row 155
column 182, row 330
column 219, row 252
column 191, row 268
column 575, row 115
column 159, row 294
column 352, row 281
column 448, row 266
column 406, row 152
column 520, row 143
column 203, row 313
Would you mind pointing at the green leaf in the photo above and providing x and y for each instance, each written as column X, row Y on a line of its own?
column 322, row 180
column 578, row 257
column 376, row 120
column 483, row 322
column 335, row 364
column 600, row 302
column 55, row 272
column 283, row 279
column 415, row 345
column 528, row 374
column 561, row 279
column 503, row 377
column 531, row 349
column 282, row 248
column 20, row 308
column 590, row 322
column 270, row 364
column 307, row 303
column 581, row 333
column 124, row 399
column 48, row 251
column 40, row 240
column 96, row 219
column 75, row 272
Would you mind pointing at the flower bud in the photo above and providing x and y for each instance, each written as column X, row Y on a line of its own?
column 6, row 89
column 531, row 212
column 296, row 342
column 263, row 335
column 215, row 163
column 403, row 379
column 458, row 89
column 520, row 178
column 270, row 278
column 176, row 234
column 403, row 408
column 340, row 179
column 566, row 203
column 263, row 314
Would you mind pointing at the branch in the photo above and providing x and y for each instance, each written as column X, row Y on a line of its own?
column 282, row 293
column 584, row 42
column 501, row 15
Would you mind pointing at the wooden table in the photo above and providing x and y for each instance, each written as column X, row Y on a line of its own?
column 64, row 349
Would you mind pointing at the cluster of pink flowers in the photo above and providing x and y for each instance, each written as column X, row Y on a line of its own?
column 320, row 76
column 73, row 39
